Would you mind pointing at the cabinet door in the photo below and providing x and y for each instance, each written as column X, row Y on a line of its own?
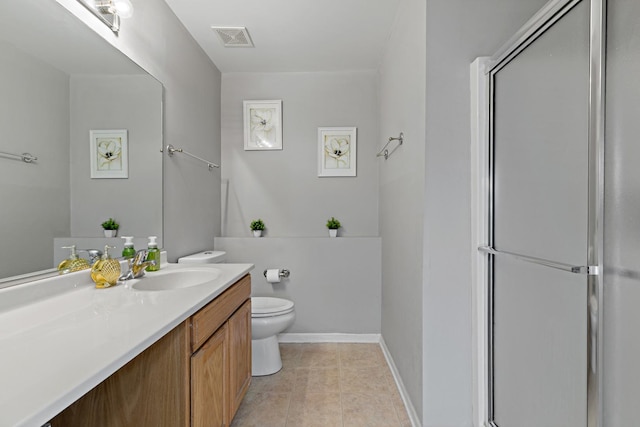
column 209, row 382
column 239, row 355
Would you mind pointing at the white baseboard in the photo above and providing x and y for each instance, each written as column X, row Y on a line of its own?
column 411, row 411
column 299, row 338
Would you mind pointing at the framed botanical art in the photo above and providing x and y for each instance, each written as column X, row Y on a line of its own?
column 263, row 125
column 337, row 151
column 109, row 153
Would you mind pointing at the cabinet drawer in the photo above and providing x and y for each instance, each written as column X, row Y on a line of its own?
column 206, row 321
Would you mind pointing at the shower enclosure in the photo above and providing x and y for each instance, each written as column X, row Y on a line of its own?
column 562, row 242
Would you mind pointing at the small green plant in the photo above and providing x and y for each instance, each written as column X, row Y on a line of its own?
column 333, row 224
column 256, row 225
column 110, row 224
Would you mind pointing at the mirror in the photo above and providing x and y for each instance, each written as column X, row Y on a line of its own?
column 59, row 80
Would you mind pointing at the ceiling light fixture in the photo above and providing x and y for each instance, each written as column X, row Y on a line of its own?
column 124, row 8
column 110, row 11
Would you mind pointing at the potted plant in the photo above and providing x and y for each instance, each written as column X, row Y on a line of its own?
column 333, row 225
column 110, row 227
column 257, row 226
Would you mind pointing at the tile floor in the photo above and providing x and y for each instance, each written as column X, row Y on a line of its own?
column 325, row 385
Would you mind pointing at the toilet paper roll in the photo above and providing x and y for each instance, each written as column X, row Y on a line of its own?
column 273, row 275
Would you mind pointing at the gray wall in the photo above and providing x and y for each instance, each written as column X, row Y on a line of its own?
column 457, row 33
column 402, row 109
column 334, row 283
column 133, row 103
column 34, row 118
column 159, row 43
column 283, row 187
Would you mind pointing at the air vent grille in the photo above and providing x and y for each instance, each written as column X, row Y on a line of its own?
column 233, row 36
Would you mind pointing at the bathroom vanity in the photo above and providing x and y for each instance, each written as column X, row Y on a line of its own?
column 172, row 356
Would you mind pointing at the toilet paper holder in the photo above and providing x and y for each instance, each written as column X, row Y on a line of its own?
column 281, row 272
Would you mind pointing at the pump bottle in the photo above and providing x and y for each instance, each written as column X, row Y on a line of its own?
column 153, row 254
column 106, row 271
column 128, row 251
column 73, row 263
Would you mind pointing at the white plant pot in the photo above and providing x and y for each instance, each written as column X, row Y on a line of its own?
column 110, row 233
column 257, row 233
column 333, row 232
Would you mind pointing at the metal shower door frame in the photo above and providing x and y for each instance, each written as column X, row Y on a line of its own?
column 551, row 13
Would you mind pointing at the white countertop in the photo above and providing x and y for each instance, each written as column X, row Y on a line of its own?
column 60, row 337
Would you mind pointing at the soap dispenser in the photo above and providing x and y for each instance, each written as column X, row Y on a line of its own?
column 128, row 252
column 106, row 271
column 153, row 254
column 73, row 263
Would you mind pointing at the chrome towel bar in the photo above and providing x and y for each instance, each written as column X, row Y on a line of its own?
column 171, row 150
column 25, row 157
column 590, row 270
column 385, row 151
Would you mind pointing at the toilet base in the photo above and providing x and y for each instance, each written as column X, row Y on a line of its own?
column 265, row 356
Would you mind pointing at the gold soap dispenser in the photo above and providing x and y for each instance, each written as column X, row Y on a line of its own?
column 73, row 263
column 106, row 271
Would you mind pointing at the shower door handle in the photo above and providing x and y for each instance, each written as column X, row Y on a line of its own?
column 589, row 270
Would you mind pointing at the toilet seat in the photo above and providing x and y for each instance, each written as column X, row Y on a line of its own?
column 269, row 306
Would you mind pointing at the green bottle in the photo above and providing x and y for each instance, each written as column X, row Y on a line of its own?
column 153, row 254
column 129, row 251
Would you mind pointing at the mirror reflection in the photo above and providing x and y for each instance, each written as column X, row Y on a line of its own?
column 59, row 82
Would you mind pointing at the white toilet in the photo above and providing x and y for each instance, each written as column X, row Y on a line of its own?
column 206, row 257
column 269, row 317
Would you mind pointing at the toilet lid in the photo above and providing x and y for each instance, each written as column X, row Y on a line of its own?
column 269, row 306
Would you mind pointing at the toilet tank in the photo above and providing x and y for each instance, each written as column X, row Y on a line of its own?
column 206, row 257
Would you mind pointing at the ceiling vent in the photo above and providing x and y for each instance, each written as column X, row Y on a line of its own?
column 233, row 36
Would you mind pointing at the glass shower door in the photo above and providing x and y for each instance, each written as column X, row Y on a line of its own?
column 540, row 227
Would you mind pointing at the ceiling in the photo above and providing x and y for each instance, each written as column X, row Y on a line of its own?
column 292, row 35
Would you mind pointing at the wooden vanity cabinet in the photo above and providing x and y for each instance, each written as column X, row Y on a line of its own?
column 221, row 331
column 196, row 375
column 150, row 390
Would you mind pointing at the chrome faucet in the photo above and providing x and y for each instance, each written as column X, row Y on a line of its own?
column 94, row 254
column 137, row 265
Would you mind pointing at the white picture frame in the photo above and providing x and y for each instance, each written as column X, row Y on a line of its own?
column 337, row 151
column 262, row 125
column 109, row 153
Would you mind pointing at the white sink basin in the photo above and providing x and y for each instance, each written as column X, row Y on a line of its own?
column 177, row 279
